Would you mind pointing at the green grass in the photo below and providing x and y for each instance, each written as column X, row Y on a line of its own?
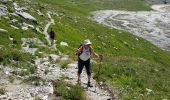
column 18, row 59
column 64, row 64
column 135, row 75
column 2, row 90
column 73, row 93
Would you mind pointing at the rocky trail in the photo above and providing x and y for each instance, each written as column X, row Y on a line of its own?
column 51, row 72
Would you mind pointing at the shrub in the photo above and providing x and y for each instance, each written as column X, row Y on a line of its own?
column 2, row 90
column 73, row 93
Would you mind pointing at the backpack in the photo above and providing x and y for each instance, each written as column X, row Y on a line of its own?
column 82, row 50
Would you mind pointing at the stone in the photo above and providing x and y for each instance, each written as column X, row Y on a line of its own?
column 14, row 27
column 21, row 12
column 3, row 96
column 40, row 13
column 32, row 40
column 65, row 57
column 54, row 57
column 45, row 97
column 3, row 30
column 63, row 43
column 24, row 28
column 29, row 50
column 3, row 10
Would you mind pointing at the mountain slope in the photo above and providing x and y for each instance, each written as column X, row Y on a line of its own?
column 130, row 63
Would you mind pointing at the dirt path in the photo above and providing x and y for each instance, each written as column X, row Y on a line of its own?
column 50, row 22
column 55, row 73
column 93, row 93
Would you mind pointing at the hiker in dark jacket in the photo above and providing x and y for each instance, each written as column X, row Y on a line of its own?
column 52, row 36
column 84, row 54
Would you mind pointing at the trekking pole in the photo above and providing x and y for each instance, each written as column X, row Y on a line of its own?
column 98, row 73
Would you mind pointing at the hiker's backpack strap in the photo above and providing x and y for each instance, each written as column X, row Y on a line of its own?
column 90, row 49
column 80, row 50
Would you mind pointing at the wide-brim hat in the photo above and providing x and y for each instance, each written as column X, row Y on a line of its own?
column 87, row 42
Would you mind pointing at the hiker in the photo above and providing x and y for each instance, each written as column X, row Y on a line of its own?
column 84, row 54
column 165, row 2
column 52, row 36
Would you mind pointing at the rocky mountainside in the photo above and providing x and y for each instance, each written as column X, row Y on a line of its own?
column 158, row 1
column 151, row 25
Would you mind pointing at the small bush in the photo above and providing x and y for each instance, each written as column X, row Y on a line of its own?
column 2, row 91
column 76, row 93
column 73, row 93
column 64, row 63
column 11, row 79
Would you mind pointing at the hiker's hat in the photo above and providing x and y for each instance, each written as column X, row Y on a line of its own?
column 87, row 42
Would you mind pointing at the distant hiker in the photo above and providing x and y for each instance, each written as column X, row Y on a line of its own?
column 165, row 2
column 52, row 36
column 84, row 54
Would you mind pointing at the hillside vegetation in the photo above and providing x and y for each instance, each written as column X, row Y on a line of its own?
column 132, row 64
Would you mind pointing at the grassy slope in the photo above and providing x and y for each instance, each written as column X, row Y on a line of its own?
column 145, row 66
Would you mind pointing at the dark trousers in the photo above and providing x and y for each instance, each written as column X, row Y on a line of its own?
column 87, row 65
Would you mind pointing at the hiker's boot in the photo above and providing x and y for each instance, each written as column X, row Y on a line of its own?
column 89, row 84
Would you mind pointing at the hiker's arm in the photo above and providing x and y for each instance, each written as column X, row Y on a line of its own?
column 78, row 51
column 94, row 53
